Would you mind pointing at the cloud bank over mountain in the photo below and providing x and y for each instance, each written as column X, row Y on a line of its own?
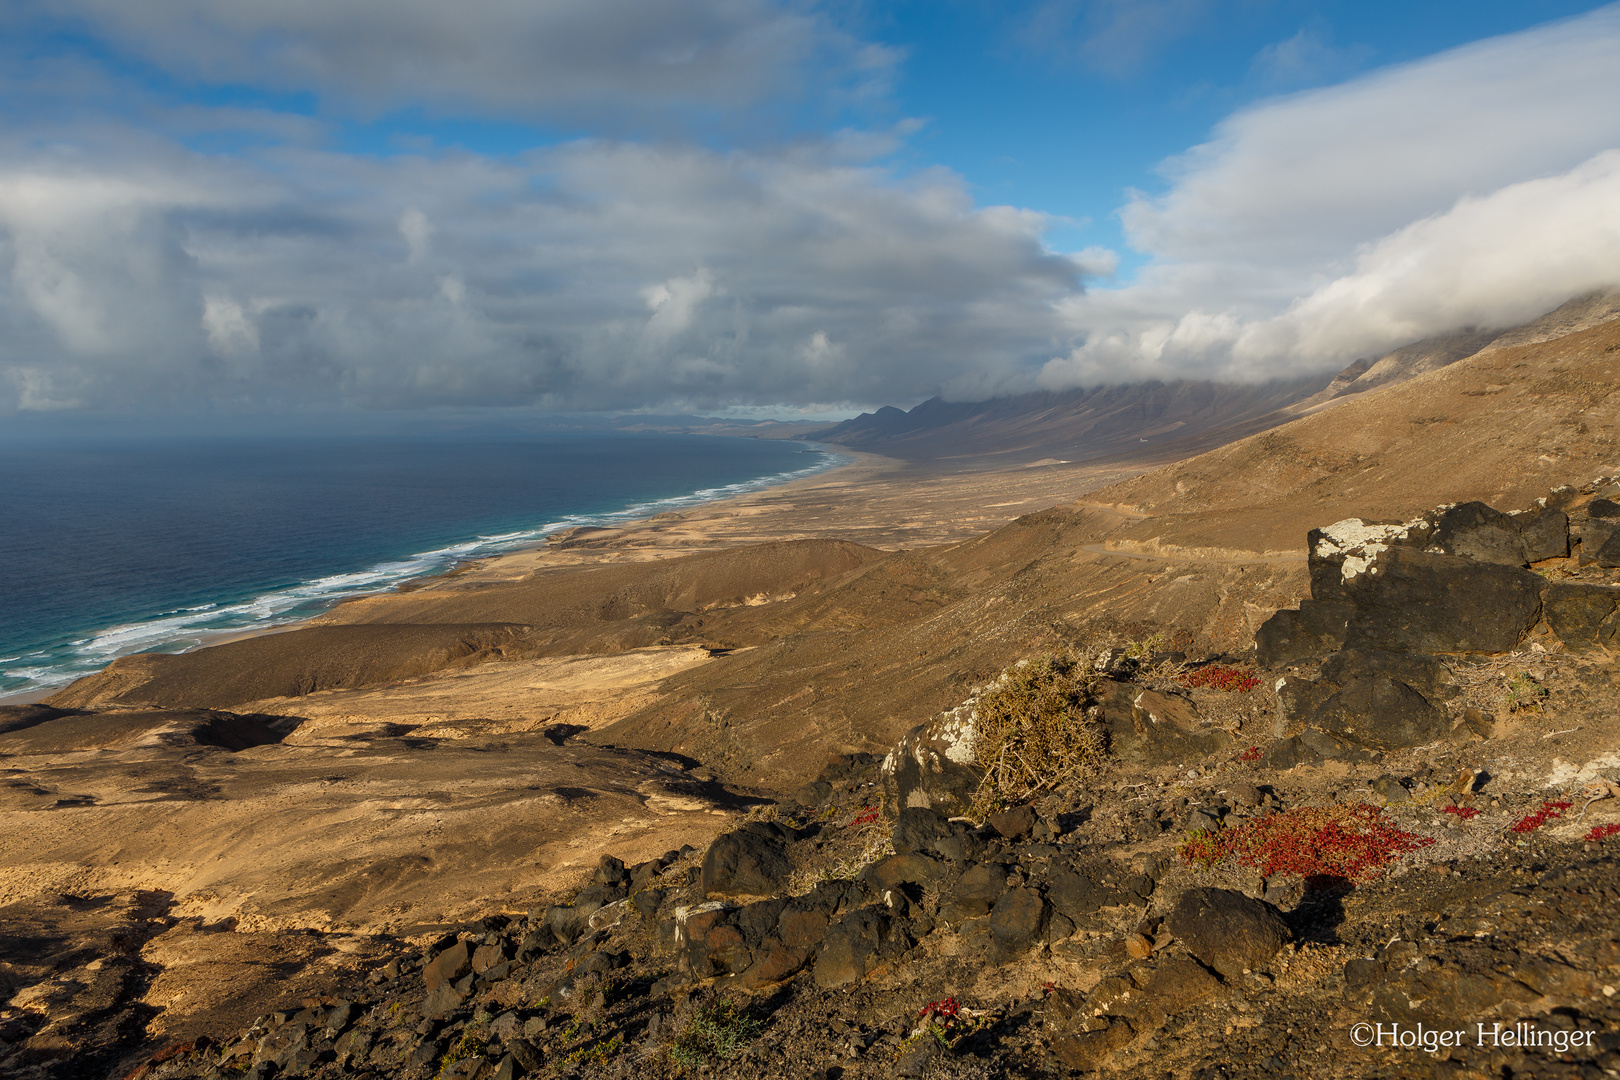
column 160, row 250
column 1479, row 187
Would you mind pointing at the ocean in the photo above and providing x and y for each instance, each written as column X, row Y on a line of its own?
column 123, row 545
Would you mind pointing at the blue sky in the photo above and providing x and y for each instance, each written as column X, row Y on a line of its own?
column 1048, row 123
column 754, row 205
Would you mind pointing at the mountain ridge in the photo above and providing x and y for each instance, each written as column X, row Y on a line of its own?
column 1178, row 418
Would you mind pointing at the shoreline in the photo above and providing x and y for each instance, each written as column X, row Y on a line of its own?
column 869, row 499
column 461, row 566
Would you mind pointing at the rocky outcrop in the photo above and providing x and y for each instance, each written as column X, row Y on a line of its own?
column 934, row 766
column 1394, row 606
column 649, row 964
column 749, row 862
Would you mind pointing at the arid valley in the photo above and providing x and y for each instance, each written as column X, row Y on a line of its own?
column 322, row 828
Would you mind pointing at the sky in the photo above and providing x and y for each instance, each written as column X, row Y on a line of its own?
column 775, row 207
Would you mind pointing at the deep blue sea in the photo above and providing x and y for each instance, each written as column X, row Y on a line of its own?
column 144, row 544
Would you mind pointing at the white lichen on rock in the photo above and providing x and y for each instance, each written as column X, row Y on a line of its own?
column 1359, row 543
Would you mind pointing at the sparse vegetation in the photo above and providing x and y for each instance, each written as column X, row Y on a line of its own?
column 1548, row 811
column 717, row 1031
column 1032, row 731
column 1227, row 679
column 943, row 1019
column 872, row 840
column 593, row 1054
column 1144, row 648
column 1525, row 694
column 471, row 1044
column 1343, row 842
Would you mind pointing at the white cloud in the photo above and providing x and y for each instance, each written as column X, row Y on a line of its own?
column 596, row 274
column 1476, row 187
column 1309, row 176
column 1491, row 260
column 572, row 59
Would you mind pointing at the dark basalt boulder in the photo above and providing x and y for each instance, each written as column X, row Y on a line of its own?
column 1013, row 824
column 1476, row 531
column 1017, row 920
column 856, row 944
column 933, row 765
column 908, row 868
column 1415, row 601
column 745, row 863
column 1545, row 533
column 1583, row 616
column 611, row 871
column 1379, row 713
column 1317, row 628
column 1600, row 540
column 1388, row 599
column 1428, row 675
column 929, row 832
column 1226, row 930
column 1079, row 896
column 974, row 893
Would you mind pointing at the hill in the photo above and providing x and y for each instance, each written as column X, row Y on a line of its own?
column 1163, row 421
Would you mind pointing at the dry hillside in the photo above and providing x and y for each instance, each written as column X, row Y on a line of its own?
column 841, row 647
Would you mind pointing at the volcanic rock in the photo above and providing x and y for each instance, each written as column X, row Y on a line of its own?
column 1226, row 930
column 744, row 863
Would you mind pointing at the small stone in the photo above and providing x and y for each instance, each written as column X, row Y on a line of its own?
column 1017, row 919
column 1139, row 946
column 611, row 871
column 448, row 966
column 916, row 1060
column 1015, row 823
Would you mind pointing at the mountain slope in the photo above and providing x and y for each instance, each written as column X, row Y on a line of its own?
column 1154, row 419
column 1158, row 421
column 1410, row 361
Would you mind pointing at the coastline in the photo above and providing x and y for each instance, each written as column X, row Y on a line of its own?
column 207, row 638
column 870, row 499
column 881, row 502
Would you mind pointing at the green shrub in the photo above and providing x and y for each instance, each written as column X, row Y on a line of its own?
column 1524, row 693
column 716, row 1031
column 594, row 1054
column 471, row 1044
